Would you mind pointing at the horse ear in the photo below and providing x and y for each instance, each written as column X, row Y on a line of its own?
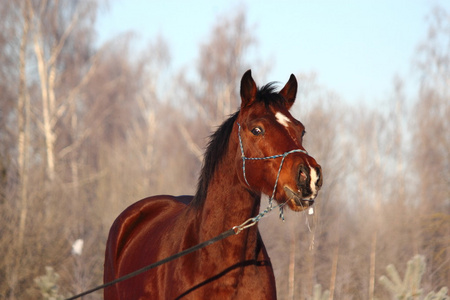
column 289, row 91
column 248, row 89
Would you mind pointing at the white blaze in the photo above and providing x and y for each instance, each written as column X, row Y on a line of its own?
column 314, row 178
column 282, row 119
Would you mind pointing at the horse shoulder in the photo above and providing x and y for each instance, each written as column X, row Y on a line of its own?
column 137, row 218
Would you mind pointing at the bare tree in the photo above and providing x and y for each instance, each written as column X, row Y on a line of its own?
column 23, row 119
column 431, row 144
column 54, row 32
column 39, row 27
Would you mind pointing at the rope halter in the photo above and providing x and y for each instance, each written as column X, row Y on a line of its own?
column 244, row 158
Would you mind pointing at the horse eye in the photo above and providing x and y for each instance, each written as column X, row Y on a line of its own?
column 303, row 133
column 257, row 131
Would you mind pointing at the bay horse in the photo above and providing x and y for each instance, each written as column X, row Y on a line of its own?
column 256, row 150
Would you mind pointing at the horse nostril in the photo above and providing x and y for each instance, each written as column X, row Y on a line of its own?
column 303, row 176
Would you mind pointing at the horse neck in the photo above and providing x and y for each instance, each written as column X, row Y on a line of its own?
column 228, row 202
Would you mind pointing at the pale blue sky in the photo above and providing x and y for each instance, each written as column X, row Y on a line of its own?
column 356, row 47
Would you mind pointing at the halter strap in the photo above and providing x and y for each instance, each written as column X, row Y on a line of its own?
column 244, row 158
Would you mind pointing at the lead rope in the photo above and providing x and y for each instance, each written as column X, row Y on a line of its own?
column 270, row 207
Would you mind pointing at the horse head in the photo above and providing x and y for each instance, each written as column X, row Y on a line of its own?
column 272, row 158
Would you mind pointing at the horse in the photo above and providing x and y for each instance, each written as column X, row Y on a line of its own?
column 257, row 150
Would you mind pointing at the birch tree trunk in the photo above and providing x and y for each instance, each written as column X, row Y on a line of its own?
column 334, row 271
column 23, row 118
column 373, row 253
column 46, row 113
column 292, row 266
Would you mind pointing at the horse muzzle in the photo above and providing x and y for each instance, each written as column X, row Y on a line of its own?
column 308, row 182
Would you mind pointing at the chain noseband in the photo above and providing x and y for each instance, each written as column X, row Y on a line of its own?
column 244, row 158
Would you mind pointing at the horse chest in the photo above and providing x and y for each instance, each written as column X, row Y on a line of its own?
column 211, row 276
column 249, row 282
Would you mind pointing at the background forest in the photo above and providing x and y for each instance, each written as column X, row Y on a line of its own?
column 86, row 130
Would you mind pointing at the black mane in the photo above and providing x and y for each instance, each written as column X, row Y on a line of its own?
column 217, row 146
column 218, row 143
